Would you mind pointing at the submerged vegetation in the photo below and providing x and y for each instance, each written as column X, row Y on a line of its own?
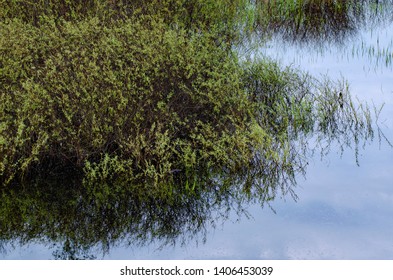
column 154, row 111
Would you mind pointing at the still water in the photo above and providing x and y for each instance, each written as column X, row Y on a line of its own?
column 344, row 209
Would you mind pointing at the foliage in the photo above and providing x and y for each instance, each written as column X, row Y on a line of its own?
column 155, row 92
column 227, row 17
column 136, row 120
column 158, row 98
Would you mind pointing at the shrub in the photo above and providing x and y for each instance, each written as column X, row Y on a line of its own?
column 77, row 93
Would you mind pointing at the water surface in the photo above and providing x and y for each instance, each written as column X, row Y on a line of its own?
column 344, row 209
column 344, row 206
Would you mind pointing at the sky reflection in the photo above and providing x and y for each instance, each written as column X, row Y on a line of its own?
column 344, row 210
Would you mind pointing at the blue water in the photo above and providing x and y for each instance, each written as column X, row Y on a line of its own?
column 343, row 211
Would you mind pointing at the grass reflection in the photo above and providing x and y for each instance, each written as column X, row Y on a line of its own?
column 151, row 129
column 318, row 22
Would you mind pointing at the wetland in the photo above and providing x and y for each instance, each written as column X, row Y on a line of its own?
column 206, row 129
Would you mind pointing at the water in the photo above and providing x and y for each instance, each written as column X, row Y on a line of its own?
column 343, row 210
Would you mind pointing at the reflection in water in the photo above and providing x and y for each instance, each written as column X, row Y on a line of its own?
column 79, row 218
column 319, row 22
column 54, row 212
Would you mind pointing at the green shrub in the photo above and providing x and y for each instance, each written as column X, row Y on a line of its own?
column 78, row 92
column 154, row 99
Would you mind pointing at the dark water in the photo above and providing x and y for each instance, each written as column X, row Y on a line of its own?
column 343, row 211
